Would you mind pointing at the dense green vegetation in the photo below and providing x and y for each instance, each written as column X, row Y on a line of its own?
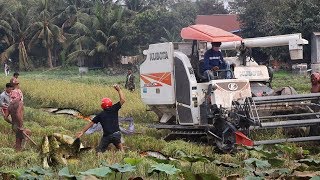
column 55, row 90
column 41, row 34
column 49, row 33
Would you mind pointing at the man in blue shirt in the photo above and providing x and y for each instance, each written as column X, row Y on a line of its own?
column 213, row 61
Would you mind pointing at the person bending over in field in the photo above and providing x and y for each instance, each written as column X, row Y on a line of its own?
column 108, row 119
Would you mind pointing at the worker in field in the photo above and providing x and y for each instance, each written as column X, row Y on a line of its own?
column 6, row 69
column 5, row 100
column 315, row 82
column 14, row 78
column 130, row 85
column 16, row 93
column 16, row 110
column 213, row 61
column 108, row 119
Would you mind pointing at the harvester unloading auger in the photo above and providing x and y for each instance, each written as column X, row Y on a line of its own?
column 224, row 110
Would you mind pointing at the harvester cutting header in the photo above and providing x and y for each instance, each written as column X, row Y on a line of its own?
column 230, row 103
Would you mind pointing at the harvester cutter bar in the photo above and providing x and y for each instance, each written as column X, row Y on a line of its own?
column 259, row 107
column 277, row 141
column 286, row 124
column 285, row 98
column 178, row 127
column 288, row 115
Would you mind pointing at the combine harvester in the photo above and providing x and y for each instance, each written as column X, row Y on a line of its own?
column 224, row 111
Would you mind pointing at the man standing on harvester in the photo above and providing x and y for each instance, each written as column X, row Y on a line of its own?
column 108, row 119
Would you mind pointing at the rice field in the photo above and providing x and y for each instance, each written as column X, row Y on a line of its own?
column 66, row 89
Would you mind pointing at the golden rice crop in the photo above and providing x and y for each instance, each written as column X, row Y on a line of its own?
column 80, row 96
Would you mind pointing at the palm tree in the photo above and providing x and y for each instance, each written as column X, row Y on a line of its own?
column 12, row 34
column 92, row 35
column 46, row 33
column 105, row 46
column 79, row 29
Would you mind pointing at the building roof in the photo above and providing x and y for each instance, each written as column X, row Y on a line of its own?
column 227, row 22
column 208, row 33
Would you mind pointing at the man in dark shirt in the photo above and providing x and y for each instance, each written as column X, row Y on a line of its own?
column 130, row 85
column 213, row 61
column 108, row 119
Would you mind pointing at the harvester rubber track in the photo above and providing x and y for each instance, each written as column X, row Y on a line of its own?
column 178, row 134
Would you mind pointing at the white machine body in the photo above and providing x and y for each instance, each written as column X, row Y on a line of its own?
column 294, row 41
column 169, row 86
column 156, row 75
column 252, row 73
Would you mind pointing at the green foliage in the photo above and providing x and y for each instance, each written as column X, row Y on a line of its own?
column 98, row 172
column 310, row 162
column 285, row 161
column 203, row 176
column 228, row 165
column 122, row 168
column 14, row 174
column 165, row 168
column 257, row 163
column 265, row 18
column 132, row 161
column 209, row 7
column 64, row 172
column 36, row 173
column 50, row 28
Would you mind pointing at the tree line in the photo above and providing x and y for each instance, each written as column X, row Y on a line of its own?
column 273, row 17
column 49, row 33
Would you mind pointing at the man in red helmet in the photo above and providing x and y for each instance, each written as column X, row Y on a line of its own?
column 108, row 119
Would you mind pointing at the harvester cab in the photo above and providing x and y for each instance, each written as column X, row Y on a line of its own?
column 222, row 110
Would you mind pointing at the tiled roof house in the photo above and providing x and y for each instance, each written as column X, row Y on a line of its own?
column 227, row 22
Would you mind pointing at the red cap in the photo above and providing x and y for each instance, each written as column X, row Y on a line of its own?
column 106, row 103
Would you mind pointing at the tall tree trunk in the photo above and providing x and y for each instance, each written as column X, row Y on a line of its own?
column 49, row 58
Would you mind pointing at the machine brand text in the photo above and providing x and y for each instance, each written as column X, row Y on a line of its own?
column 250, row 73
column 152, row 84
column 158, row 56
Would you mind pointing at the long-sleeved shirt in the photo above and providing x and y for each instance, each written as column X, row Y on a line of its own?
column 213, row 58
column 4, row 100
